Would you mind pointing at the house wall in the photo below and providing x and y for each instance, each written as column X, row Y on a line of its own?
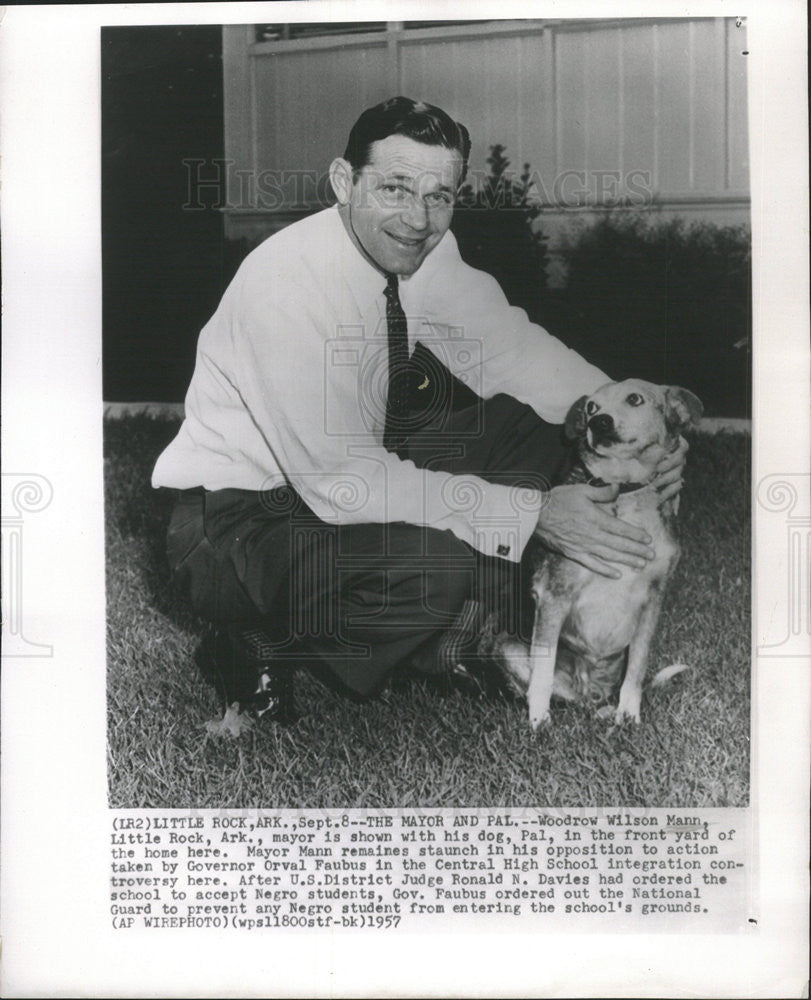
column 645, row 112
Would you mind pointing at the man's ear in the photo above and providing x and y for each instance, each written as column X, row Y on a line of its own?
column 341, row 177
column 575, row 426
column 682, row 408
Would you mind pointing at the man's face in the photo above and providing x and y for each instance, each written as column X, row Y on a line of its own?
column 401, row 203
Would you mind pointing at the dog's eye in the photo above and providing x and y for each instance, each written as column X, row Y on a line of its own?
column 591, row 407
column 635, row 399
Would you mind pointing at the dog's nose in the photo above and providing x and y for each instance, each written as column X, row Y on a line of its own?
column 601, row 424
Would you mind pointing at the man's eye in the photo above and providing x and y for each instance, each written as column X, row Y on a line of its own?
column 439, row 198
column 635, row 399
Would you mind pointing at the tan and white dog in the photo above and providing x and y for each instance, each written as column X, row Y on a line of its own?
column 589, row 627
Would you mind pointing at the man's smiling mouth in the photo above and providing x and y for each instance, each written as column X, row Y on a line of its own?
column 405, row 241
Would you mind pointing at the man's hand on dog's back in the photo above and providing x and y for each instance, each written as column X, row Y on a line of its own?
column 572, row 521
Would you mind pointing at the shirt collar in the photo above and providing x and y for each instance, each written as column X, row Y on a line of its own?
column 362, row 277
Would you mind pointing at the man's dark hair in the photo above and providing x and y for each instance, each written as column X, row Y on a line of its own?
column 414, row 119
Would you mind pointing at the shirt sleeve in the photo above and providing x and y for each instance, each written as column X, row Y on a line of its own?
column 307, row 412
column 503, row 350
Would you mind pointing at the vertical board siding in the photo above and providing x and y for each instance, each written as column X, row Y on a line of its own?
column 307, row 101
column 572, row 103
column 638, row 97
column 707, row 113
column 476, row 81
column 538, row 88
column 673, row 109
column 737, row 131
column 665, row 99
column 602, row 82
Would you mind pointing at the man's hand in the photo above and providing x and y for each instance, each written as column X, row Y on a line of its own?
column 670, row 472
column 571, row 522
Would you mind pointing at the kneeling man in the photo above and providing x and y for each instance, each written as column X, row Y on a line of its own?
column 370, row 435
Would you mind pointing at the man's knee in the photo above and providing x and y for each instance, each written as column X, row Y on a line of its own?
column 446, row 590
column 203, row 576
column 423, row 576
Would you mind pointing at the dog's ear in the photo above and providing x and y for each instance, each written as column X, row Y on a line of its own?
column 575, row 426
column 682, row 408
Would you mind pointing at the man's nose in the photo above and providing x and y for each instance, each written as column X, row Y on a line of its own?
column 416, row 215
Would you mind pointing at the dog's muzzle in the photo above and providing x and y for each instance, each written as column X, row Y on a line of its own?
column 601, row 426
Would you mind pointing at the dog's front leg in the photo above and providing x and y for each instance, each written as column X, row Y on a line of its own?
column 630, row 699
column 549, row 617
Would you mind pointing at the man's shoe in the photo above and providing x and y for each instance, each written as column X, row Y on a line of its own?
column 459, row 653
column 274, row 698
column 240, row 665
column 461, row 640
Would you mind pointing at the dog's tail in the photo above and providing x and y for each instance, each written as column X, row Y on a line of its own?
column 665, row 674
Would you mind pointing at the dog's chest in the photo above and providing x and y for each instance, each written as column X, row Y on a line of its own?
column 602, row 612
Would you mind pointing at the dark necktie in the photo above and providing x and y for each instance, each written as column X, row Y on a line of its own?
column 395, row 432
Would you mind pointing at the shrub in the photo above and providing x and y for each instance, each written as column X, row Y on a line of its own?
column 493, row 226
column 662, row 300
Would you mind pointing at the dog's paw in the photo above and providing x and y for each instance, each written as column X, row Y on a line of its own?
column 630, row 703
column 232, row 724
column 540, row 721
column 626, row 715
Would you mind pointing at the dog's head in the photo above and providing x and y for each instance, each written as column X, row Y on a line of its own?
column 625, row 428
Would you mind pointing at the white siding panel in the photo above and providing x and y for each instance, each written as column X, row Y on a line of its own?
column 431, row 72
column 603, row 92
column 708, row 144
column 307, row 101
column 666, row 97
column 737, row 132
column 638, row 100
column 535, row 106
column 476, row 81
column 674, row 107
column 572, row 108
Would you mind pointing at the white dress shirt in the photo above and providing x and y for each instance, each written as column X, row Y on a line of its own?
column 291, row 378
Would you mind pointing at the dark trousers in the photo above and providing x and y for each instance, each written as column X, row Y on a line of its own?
column 360, row 597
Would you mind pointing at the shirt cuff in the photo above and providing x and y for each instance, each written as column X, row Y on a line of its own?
column 499, row 520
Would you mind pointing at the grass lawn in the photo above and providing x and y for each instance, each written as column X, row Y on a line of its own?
column 417, row 745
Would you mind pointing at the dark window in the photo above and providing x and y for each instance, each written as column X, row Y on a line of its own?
column 286, row 32
column 438, row 24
